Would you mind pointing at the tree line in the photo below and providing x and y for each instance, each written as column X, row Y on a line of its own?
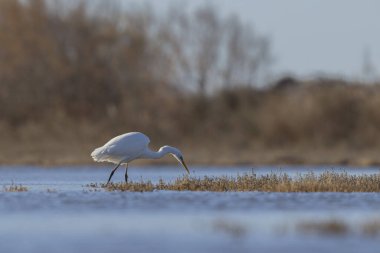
column 96, row 69
column 88, row 59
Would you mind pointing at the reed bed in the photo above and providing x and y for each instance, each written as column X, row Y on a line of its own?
column 309, row 182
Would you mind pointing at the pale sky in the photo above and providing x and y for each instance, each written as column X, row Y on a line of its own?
column 309, row 37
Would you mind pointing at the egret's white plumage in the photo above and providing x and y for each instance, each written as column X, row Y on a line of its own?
column 130, row 146
column 122, row 148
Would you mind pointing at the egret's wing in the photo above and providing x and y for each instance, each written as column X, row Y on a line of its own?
column 130, row 150
column 124, row 147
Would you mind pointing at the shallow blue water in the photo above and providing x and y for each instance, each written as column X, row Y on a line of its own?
column 70, row 217
column 77, row 176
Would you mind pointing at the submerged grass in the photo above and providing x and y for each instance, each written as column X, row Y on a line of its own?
column 337, row 227
column 327, row 227
column 15, row 188
column 309, row 182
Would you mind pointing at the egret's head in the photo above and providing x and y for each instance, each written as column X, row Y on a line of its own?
column 177, row 155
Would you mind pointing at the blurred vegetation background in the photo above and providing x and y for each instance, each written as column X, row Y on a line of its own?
column 74, row 74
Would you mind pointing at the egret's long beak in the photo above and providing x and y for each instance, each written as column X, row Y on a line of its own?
column 184, row 165
column 181, row 161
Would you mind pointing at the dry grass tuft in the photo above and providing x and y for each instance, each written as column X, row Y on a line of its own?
column 15, row 188
column 310, row 182
column 132, row 186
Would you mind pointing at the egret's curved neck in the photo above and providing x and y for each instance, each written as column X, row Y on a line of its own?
column 156, row 155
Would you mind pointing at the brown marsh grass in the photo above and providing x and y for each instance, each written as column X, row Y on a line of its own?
column 15, row 188
column 85, row 80
column 310, row 182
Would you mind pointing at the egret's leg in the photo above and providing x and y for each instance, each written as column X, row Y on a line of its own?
column 113, row 171
column 126, row 174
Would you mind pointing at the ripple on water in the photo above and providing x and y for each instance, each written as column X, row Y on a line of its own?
column 71, row 218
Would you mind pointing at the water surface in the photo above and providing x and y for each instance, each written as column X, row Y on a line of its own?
column 60, row 214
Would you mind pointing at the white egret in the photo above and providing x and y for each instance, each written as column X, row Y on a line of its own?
column 131, row 146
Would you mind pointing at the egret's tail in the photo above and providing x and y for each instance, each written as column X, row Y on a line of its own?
column 98, row 154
